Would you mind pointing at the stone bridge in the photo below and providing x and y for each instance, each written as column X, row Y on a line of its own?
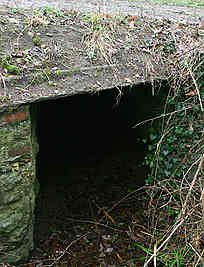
column 48, row 55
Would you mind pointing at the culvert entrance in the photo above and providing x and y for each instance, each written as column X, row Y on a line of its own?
column 89, row 156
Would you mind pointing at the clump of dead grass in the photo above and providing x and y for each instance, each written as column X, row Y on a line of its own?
column 99, row 39
column 37, row 20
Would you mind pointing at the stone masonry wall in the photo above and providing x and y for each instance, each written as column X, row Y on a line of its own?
column 17, row 184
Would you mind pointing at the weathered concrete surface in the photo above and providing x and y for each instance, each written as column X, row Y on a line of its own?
column 17, row 185
column 52, row 55
column 72, row 58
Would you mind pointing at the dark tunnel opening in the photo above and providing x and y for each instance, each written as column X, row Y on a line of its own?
column 84, row 129
column 88, row 151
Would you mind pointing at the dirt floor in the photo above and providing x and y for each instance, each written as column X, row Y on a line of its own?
column 174, row 13
column 94, row 218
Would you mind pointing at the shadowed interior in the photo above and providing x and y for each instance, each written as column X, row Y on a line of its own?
column 89, row 151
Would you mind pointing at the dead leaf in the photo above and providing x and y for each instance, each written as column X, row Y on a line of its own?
column 192, row 92
column 132, row 24
column 111, row 25
column 106, row 16
column 132, row 18
column 119, row 258
column 131, row 21
column 109, row 217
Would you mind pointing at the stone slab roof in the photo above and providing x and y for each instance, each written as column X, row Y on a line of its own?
column 49, row 53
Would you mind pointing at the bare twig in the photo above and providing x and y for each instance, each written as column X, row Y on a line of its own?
column 197, row 90
column 191, row 187
column 202, row 200
column 179, row 223
column 161, row 116
column 200, row 259
column 3, row 81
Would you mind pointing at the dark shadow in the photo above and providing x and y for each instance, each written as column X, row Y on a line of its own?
column 88, row 151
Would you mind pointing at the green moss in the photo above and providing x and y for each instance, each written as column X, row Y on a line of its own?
column 10, row 68
column 36, row 40
column 17, row 187
column 13, row 69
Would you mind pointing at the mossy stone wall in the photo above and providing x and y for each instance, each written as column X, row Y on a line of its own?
column 17, row 184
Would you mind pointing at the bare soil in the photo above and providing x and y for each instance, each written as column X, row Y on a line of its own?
column 89, row 214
